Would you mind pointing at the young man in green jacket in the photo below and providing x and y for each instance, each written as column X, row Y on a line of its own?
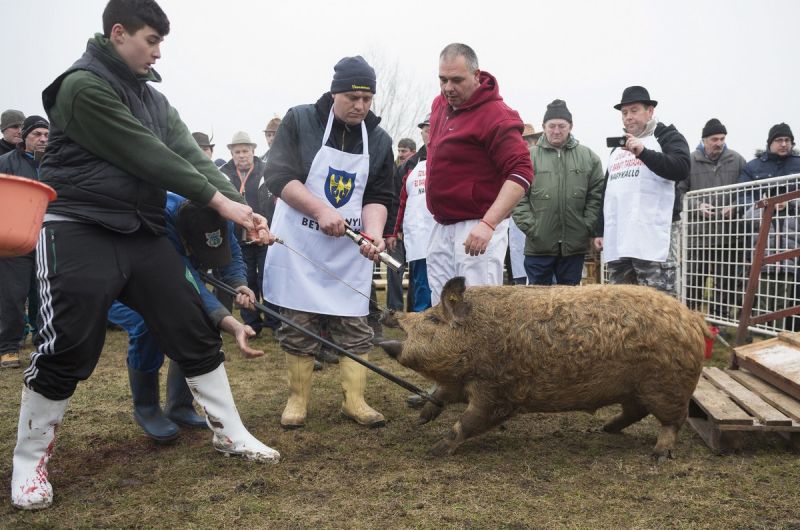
column 559, row 210
column 116, row 146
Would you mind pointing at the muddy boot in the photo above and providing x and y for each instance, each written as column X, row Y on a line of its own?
column 147, row 409
column 354, row 381
column 39, row 419
column 299, row 369
column 179, row 400
column 213, row 393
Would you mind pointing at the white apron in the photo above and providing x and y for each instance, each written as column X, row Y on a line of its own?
column 638, row 208
column 417, row 219
column 516, row 248
column 338, row 179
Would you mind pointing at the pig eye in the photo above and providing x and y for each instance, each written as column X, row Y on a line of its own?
column 433, row 318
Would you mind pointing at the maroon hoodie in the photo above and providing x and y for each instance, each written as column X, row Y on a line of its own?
column 472, row 151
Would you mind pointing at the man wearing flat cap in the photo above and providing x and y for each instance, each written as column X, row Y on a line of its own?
column 331, row 167
column 713, row 164
column 639, row 199
column 246, row 173
column 11, row 126
column 413, row 222
column 18, row 274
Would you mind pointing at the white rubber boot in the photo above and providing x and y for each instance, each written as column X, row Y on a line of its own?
column 39, row 419
column 213, row 393
column 354, row 382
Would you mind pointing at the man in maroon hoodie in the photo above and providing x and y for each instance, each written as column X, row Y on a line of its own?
column 478, row 169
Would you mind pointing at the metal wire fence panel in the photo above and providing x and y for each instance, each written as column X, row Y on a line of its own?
column 718, row 233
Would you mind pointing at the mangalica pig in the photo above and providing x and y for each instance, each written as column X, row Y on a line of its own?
column 505, row 350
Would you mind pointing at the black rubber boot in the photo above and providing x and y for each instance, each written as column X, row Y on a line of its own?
column 179, row 400
column 146, row 408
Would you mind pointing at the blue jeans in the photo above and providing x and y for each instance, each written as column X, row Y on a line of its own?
column 549, row 270
column 418, row 272
column 144, row 355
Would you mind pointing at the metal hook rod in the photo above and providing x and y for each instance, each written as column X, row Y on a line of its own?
column 338, row 349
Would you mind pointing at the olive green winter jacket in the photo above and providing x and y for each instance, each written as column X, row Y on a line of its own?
column 559, row 210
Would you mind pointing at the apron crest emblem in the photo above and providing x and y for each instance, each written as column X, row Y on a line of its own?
column 339, row 186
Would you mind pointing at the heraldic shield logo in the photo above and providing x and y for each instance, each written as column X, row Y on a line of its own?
column 339, row 186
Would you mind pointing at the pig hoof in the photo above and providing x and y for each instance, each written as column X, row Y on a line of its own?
column 429, row 413
column 662, row 457
column 439, row 449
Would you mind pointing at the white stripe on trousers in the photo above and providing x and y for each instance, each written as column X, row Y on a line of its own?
column 47, row 333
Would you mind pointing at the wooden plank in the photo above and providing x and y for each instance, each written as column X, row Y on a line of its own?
column 746, row 399
column 784, row 403
column 788, row 386
column 791, row 338
column 718, row 405
column 710, row 435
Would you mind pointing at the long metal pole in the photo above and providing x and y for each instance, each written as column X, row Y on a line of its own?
column 338, row 349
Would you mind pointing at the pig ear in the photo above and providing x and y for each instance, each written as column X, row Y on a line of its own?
column 455, row 308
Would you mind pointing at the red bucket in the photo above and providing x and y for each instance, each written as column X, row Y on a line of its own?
column 22, row 205
column 710, row 341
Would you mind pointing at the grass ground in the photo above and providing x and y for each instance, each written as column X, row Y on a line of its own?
column 540, row 471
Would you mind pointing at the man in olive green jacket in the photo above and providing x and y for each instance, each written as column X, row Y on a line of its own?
column 559, row 210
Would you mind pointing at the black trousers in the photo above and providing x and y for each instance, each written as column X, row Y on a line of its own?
column 82, row 268
column 15, row 282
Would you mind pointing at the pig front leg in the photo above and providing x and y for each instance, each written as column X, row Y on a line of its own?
column 446, row 394
column 476, row 420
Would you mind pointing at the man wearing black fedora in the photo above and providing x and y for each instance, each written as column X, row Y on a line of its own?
column 635, row 225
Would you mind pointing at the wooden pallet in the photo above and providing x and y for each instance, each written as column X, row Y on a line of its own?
column 727, row 404
column 776, row 361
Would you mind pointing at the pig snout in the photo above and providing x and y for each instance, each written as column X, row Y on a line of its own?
column 393, row 347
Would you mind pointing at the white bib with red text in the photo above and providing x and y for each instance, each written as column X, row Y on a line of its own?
column 637, row 209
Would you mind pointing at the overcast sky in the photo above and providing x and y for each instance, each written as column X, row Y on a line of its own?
column 233, row 65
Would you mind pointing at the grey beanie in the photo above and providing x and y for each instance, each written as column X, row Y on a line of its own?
column 557, row 110
column 353, row 73
column 9, row 118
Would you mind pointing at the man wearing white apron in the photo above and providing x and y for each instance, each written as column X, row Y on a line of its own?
column 634, row 228
column 415, row 222
column 330, row 165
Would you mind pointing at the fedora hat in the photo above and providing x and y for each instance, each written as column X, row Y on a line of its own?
column 202, row 139
column 635, row 94
column 241, row 138
column 272, row 125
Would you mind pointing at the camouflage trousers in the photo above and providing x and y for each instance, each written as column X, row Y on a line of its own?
column 656, row 274
column 661, row 275
column 351, row 333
